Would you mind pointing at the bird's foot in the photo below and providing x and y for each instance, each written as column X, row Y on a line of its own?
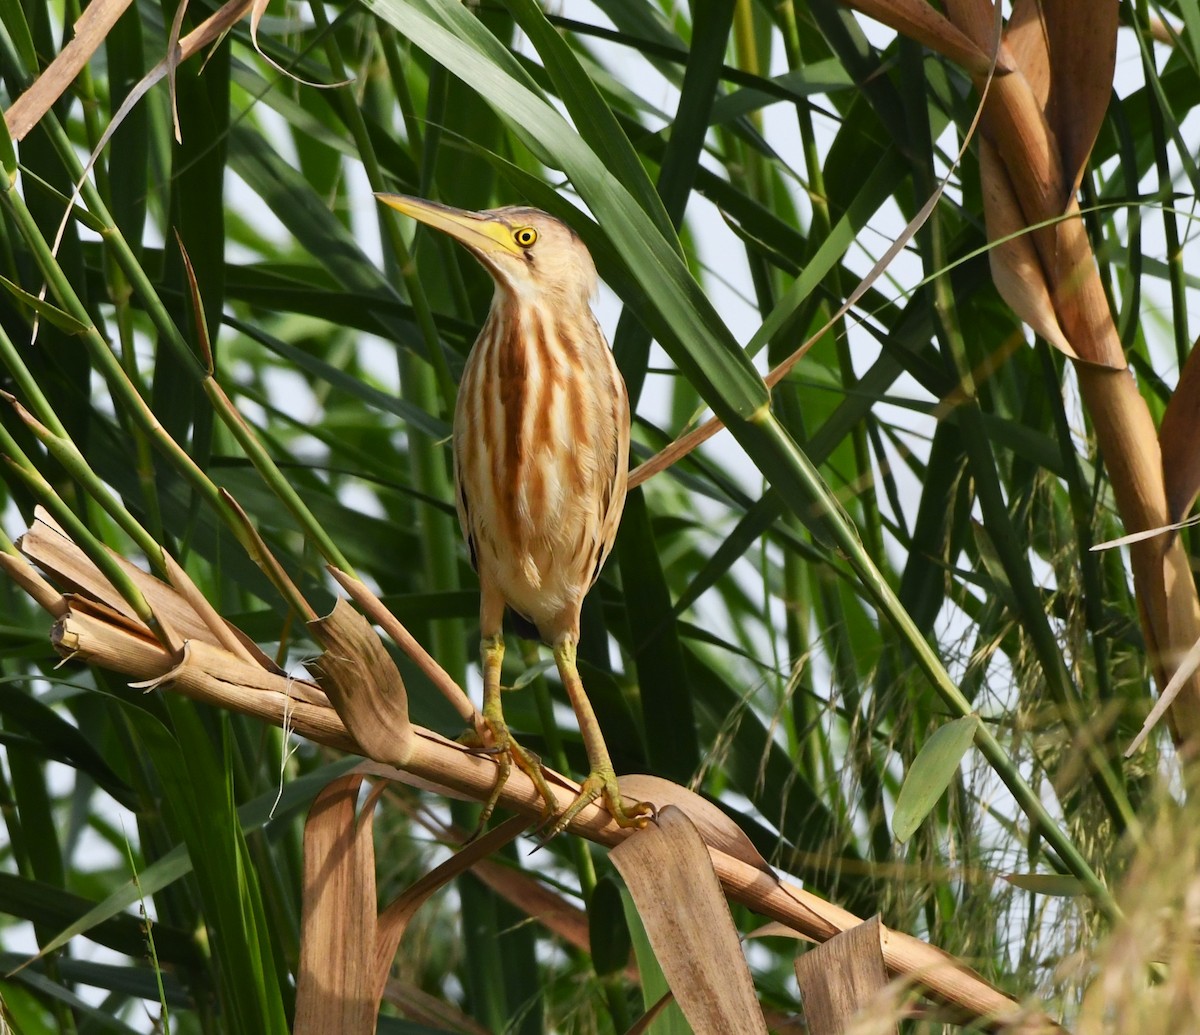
column 498, row 743
column 601, row 782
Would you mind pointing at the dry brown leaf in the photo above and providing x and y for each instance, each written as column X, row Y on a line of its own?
column 335, row 978
column 716, row 829
column 1082, row 43
column 670, row 876
column 173, row 59
column 363, row 684
column 918, row 20
column 1014, row 260
column 1180, row 438
column 977, row 19
column 842, row 979
column 345, row 951
column 257, row 10
column 90, row 31
column 1025, row 38
column 49, row 547
column 1016, row 126
column 1148, row 533
column 777, row 930
column 374, row 609
column 1184, row 672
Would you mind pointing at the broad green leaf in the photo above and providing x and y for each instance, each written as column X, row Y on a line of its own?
column 931, row 772
column 666, row 693
column 1059, row 885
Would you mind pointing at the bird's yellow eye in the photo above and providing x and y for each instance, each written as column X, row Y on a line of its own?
column 525, row 236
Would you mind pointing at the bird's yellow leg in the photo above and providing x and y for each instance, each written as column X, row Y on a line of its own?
column 601, row 782
column 506, row 750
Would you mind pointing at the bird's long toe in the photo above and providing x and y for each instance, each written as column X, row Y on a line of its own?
column 602, row 783
column 503, row 747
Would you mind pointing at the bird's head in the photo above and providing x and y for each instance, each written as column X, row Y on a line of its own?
column 528, row 252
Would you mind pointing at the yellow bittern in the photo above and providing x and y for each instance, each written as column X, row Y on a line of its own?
column 541, row 453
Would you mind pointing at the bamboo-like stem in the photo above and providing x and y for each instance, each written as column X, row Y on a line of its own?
column 125, row 395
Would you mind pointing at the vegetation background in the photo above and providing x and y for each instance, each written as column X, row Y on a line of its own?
column 736, row 643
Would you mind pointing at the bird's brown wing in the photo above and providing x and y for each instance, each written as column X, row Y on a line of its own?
column 612, row 500
column 464, row 519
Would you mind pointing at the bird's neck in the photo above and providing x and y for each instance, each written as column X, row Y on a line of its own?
column 527, row 319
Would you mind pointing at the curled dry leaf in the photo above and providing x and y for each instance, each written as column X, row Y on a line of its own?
column 1067, row 56
column 1014, row 260
column 1082, row 45
column 49, row 547
column 374, row 609
column 1180, row 435
column 1186, row 669
column 716, row 829
column 920, row 21
column 774, row 929
column 1147, row 533
column 363, row 684
column 345, row 951
column 1026, row 40
column 679, row 899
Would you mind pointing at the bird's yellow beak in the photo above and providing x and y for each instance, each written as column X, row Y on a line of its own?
column 480, row 232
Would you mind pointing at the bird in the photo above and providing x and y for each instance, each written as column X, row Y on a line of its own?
column 541, row 455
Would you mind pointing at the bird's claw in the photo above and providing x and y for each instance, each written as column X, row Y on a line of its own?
column 506, row 751
column 601, row 783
